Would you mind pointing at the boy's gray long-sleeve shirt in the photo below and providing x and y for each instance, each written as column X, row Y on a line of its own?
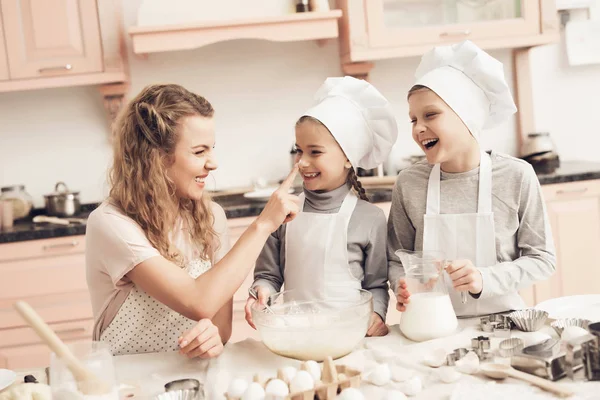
column 367, row 258
column 524, row 247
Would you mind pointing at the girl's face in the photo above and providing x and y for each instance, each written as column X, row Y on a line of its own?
column 323, row 164
column 438, row 130
column 194, row 157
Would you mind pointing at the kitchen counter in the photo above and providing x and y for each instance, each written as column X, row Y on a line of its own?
column 146, row 374
column 236, row 206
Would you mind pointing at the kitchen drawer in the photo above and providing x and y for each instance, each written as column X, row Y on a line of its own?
column 42, row 276
column 561, row 191
column 54, row 308
column 42, row 248
column 25, row 336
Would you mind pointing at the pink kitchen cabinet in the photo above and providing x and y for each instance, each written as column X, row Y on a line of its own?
column 574, row 212
column 379, row 29
column 50, row 275
column 51, row 38
column 59, row 43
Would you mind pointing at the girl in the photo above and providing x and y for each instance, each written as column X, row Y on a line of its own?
column 337, row 239
column 150, row 246
column 484, row 211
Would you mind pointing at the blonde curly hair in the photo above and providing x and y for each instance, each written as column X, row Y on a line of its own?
column 145, row 136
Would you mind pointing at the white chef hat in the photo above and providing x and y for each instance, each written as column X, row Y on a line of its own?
column 358, row 117
column 470, row 81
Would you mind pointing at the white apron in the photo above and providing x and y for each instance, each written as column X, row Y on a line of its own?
column 468, row 236
column 316, row 254
column 145, row 325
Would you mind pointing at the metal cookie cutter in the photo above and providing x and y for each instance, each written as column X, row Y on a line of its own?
column 510, row 347
column 480, row 344
column 456, row 355
column 498, row 324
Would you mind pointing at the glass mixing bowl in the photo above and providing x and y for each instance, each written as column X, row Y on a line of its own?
column 314, row 329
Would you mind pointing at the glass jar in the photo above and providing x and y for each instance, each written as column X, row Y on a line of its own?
column 22, row 202
column 97, row 358
column 429, row 314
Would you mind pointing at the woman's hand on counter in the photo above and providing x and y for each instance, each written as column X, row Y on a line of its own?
column 203, row 341
column 377, row 326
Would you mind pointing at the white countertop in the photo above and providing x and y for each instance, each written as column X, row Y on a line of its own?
column 149, row 372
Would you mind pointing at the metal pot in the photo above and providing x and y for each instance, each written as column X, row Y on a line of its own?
column 62, row 203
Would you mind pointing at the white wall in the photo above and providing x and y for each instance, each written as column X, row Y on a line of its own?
column 258, row 89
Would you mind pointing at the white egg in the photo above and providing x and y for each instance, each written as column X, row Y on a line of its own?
column 313, row 368
column 351, row 394
column 436, row 358
column 448, row 374
column 237, row 388
column 276, row 389
column 411, row 387
column 401, row 374
column 302, row 381
column 254, row 392
column 380, row 375
column 469, row 364
column 572, row 332
column 288, row 373
column 394, row 395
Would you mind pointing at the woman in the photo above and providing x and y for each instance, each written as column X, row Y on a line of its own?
column 158, row 268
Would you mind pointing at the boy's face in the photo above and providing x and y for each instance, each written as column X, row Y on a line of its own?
column 436, row 128
column 322, row 161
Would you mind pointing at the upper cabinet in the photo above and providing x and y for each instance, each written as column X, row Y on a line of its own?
column 55, row 43
column 51, row 37
column 377, row 29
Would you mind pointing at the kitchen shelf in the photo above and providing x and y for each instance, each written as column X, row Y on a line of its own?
column 287, row 28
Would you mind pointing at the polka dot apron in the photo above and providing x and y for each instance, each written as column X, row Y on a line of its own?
column 145, row 325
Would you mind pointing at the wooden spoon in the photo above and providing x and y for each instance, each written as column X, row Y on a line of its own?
column 87, row 382
column 502, row 371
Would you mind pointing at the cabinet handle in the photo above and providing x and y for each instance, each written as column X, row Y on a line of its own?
column 66, row 67
column 465, row 32
column 60, row 245
column 70, row 330
column 574, row 191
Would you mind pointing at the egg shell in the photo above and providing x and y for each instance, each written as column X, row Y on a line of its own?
column 313, row 368
column 237, row 388
column 277, row 389
column 254, row 392
column 288, row 373
column 351, row 394
column 380, row 375
column 436, row 358
column 411, row 387
column 302, row 381
column 469, row 364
